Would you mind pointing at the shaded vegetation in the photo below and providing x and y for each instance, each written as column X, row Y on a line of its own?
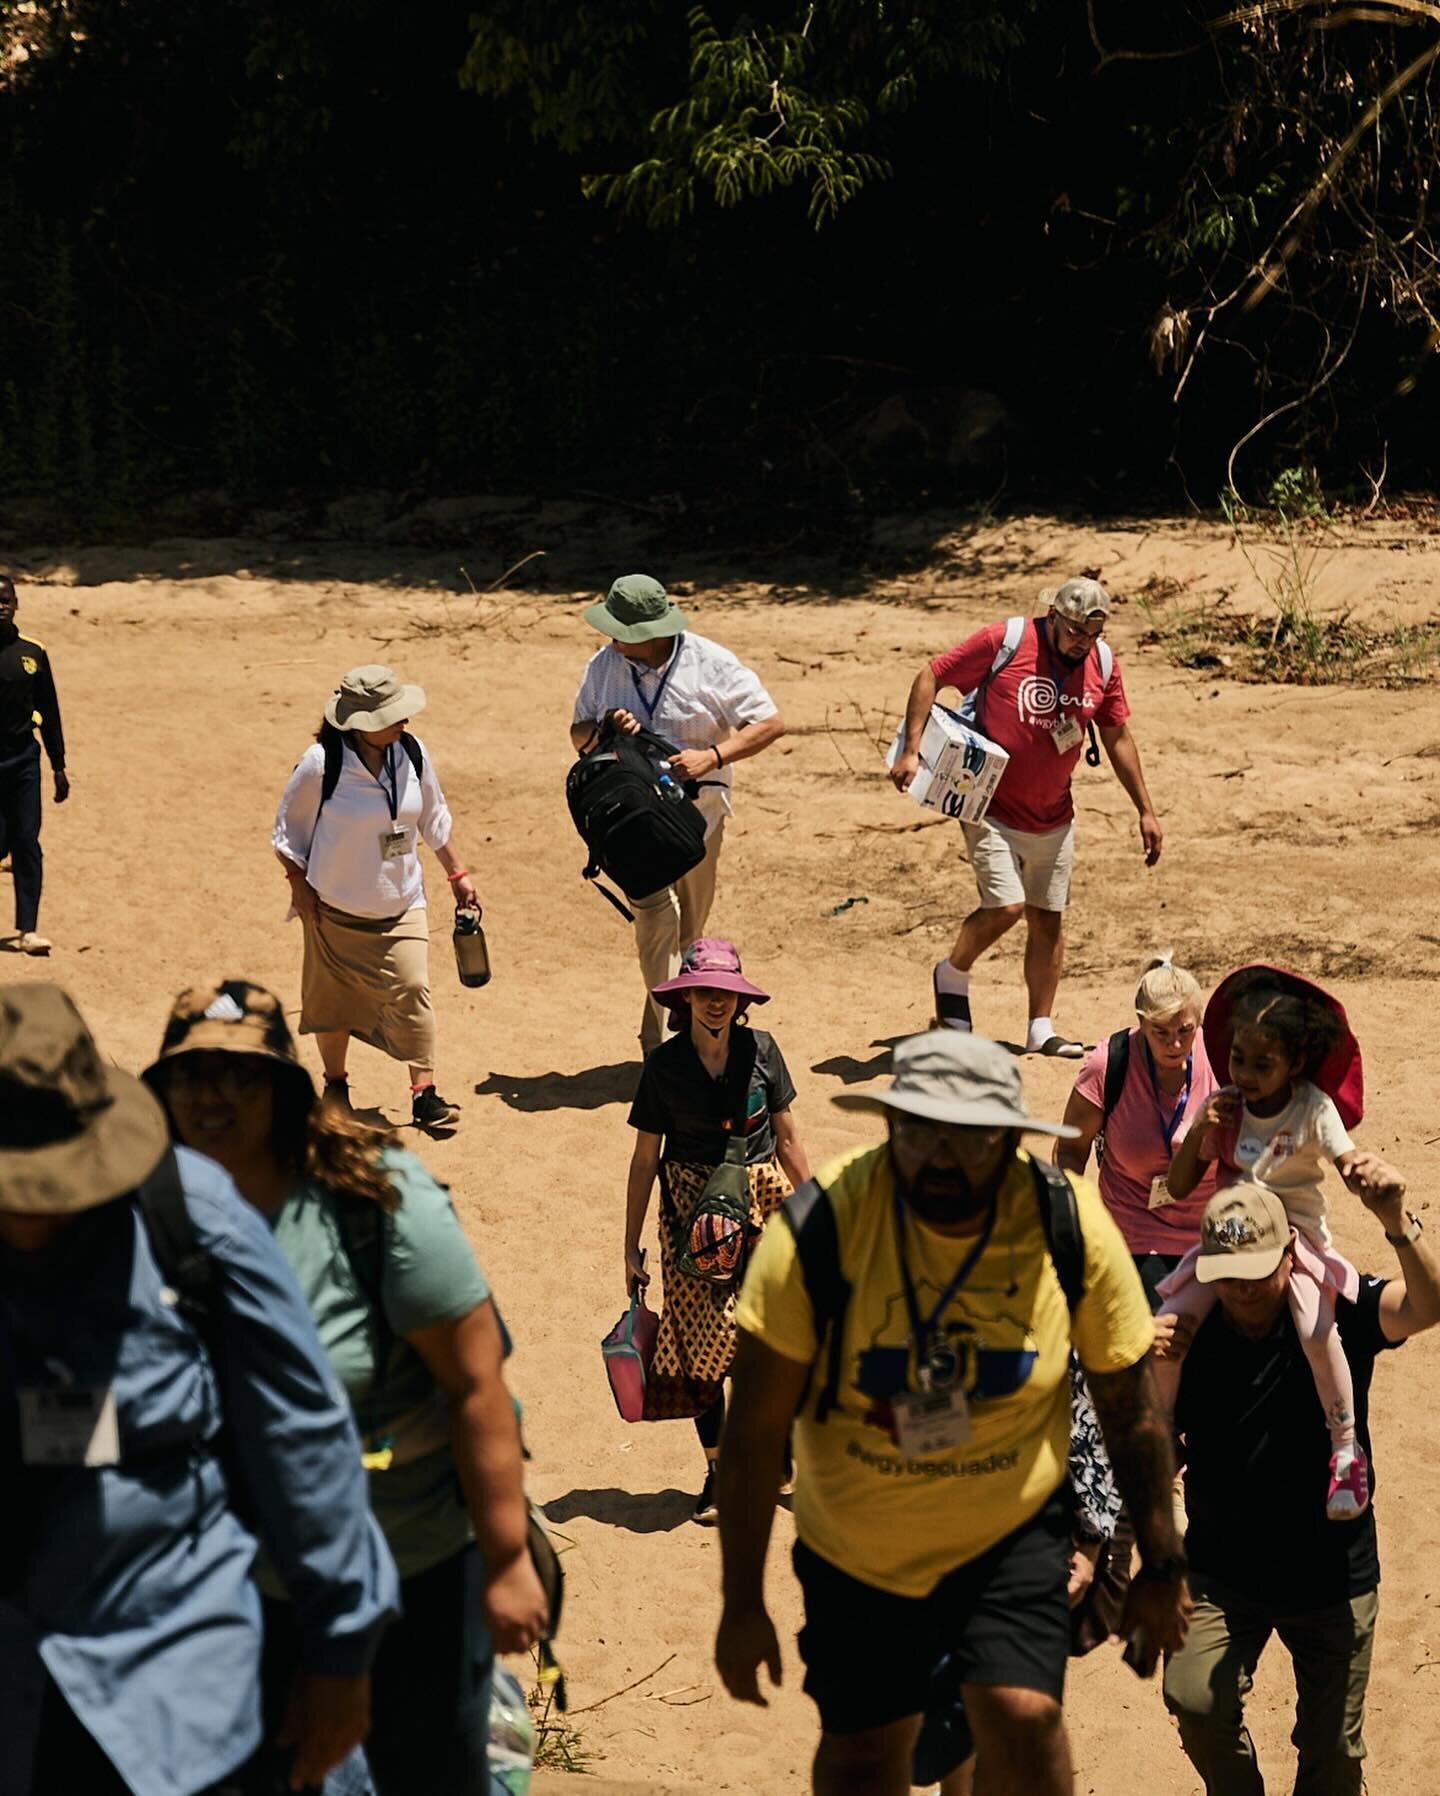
column 792, row 254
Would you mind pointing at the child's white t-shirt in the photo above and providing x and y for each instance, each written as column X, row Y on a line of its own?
column 1288, row 1152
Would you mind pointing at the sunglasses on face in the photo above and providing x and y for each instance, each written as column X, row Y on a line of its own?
column 927, row 1137
column 231, row 1075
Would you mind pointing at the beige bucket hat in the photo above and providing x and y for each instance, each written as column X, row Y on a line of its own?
column 74, row 1133
column 949, row 1076
column 372, row 698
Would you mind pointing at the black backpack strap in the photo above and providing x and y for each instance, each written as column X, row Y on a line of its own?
column 1117, row 1065
column 184, row 1264
column 592, row 873
column 412, row 748
column 1060, row 1218
column 334, row 747
column 362, row 1235
column 810, row 1217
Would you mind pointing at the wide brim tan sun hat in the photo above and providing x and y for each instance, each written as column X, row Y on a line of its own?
column 231, row 1017
column 74, row 1132
column 637, row 608
column 949, row 1076
column 372, row 698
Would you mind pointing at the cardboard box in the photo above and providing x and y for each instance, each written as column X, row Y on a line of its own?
column 959, row 768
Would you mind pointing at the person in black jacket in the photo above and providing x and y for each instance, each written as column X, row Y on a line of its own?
column 27, row 697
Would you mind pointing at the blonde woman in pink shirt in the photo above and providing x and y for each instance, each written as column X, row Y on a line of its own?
column 1135, row 1124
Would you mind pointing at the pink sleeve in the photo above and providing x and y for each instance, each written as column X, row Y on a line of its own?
column 1091, row 1083
column 966, row 665
column 1114, row 707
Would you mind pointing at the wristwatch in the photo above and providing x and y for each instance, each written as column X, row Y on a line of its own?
column 1408, row 1236
column 1164, row 1571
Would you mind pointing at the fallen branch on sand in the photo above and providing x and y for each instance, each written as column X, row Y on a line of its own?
column 590, row 1707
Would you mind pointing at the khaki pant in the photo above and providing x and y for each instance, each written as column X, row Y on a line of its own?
column 1207, row 1681
column 665, row 925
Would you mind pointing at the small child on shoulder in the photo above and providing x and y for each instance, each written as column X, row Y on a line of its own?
column 1296, row 1089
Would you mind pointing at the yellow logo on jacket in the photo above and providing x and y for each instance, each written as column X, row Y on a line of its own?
column 30, row 664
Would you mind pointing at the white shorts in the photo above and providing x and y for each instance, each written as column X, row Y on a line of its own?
column 1015, row 867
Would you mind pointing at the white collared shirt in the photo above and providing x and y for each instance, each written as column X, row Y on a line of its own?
column 700, row 696
column 341, row 853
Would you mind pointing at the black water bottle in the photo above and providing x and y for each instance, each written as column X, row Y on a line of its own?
column 472, row 957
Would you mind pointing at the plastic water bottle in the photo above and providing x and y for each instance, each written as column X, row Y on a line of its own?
column 511, row 1750
column 472, row 957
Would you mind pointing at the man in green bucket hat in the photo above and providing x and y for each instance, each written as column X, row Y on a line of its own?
column 656, row 673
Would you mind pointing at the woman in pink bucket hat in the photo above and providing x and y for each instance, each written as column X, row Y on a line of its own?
column 713, row 1109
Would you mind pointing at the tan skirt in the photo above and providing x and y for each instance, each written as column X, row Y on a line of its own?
column 371, row 977
column 696, row 1339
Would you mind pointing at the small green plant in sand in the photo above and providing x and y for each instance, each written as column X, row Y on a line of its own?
column 559, row 1745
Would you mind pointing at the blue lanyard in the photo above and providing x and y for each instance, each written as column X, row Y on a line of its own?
column 920, row 1329
column 652, row 704
column 1168, row 1128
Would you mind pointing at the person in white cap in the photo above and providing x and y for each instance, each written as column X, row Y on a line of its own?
column 911, row 1314
column 1264, row 1559
column 1040, row 685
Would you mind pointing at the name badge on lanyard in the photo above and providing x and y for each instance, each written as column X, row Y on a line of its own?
column 936, row 1418
column 1067, row 733
column 69, row 1425
column 396, row 839
column 1170, row 1120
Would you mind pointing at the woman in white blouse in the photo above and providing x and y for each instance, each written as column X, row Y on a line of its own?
column 348, row 833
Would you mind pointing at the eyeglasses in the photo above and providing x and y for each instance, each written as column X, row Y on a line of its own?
column 1079, row 629
column 231, row 1075
column 926, row 1137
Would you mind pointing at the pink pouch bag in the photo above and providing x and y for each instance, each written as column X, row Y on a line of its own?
column 628, row 1349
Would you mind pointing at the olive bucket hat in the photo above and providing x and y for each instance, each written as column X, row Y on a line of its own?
column 74, row 1132
column 372, row 698
column 233, row 1017
column 637, row 608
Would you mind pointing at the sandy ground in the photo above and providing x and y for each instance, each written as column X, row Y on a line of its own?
column 1301, row 829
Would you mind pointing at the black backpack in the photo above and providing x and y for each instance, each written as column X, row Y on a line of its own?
column 642, row 826
column 811, row 1219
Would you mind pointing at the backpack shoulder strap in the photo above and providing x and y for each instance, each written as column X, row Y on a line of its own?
column 1009, row 645
column 412, row 748
column 739, row 1076
column 361, row 1223
column 1060, row 1217
column 1107, row 660
column 184, row 1264
column 334, row 760
column 810, row 1217
column 1117, row 1065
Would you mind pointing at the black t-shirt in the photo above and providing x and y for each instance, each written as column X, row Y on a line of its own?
column 1257, row 1452
column 678, row 1099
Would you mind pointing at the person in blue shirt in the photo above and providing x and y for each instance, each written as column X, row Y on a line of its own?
column 132, row 1443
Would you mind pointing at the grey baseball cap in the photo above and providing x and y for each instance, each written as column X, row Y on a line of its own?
column 1078, row 599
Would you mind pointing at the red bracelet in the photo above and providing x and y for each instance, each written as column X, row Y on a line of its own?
column 459, row 873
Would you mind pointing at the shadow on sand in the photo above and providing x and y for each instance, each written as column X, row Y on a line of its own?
column 589, row 1090
column 638, row 1512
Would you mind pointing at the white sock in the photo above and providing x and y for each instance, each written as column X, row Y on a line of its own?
column 949, row 983
column 951, row 979
column 1040, row 1031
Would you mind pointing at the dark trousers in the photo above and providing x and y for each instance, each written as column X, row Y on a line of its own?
column 430, row 1684
column 20, row 830
column 1207, row 1681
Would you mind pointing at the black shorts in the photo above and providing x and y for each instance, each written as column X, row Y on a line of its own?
column 1003, row 1618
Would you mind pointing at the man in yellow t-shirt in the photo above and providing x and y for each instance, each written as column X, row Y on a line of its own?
column 933, row 1429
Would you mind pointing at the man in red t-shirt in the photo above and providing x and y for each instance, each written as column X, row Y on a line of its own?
column 1037, row 709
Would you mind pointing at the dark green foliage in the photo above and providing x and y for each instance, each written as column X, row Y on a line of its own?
column 715, row 251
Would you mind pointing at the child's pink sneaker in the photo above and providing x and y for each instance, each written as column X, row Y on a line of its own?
column 1349, row 1495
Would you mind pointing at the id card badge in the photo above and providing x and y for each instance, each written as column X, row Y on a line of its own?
column 931, row 1422
column 397, row 841
column 1066, row 735
column 1160, row 1193
column 70, row 1425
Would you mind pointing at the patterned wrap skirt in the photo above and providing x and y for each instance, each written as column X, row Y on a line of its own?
column 696, row 1340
